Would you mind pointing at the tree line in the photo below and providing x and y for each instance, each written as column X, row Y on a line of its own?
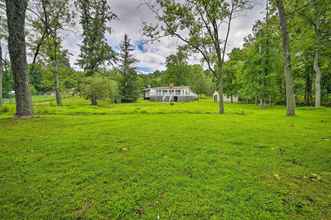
column 253, row 71
column 284, row 60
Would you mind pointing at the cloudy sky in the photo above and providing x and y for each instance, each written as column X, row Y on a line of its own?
column 151, row 57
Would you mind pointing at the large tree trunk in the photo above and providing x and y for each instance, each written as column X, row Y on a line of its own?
column 1, row 75
column 17, row 50
column 290, row 98
column 317, row 80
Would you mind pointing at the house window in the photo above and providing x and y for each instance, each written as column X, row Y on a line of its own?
column 177, row 92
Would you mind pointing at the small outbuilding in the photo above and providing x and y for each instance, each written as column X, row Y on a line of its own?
column 170, row 94
column 231, row 99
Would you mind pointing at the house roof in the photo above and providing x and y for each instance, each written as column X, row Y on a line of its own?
column 170, row 87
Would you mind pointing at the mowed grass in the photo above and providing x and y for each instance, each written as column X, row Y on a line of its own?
column 157, row 161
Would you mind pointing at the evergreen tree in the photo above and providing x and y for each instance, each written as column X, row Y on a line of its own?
column 129, row 83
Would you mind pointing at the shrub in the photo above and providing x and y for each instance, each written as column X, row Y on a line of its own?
column 99, row 87
column 6, row 109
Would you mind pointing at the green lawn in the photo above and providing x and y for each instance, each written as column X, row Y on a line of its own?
column 157, row 161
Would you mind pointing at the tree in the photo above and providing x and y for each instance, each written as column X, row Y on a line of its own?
column 3, row 34
column 177, row 69
column 202, row 21
column 180, row 73
column 16, row 10
column 8, row 81
column 314, row 13
column 99, row 87
column 129, row 82
column 51, row 17
column 260, row 71
column 1, row 75
column 56, row 55
column 231, row 68
column 95, row 51
column 200, row 81
column 290, row 98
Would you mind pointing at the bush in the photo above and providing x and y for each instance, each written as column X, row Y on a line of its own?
column 5, row 109
column 99, row 87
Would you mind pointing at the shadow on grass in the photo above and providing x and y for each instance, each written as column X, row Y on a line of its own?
column 240, row 113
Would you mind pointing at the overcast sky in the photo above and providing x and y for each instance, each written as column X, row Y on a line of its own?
column 151, row 57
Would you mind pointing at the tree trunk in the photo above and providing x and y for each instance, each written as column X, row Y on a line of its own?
column 56, row 75
column 1, row 76
column 221, row 57
column 308, row 88
column 17, row 50
column 317, row 80
column 221, row 96
column 57, row 85
column 256, row 100
column 290, row 98
column 57, row 88
column 94, row 100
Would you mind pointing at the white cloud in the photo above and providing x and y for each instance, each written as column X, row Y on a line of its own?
column 132, row 14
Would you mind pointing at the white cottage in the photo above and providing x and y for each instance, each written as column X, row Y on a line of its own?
column 233, row 99
column 170, row 94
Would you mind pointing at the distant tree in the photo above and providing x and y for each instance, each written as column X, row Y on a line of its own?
column 179, row 73
column 290, row 97
column 260, row 57
column 177, row 69
column 153, row 79
column 57, row 57
column 99, row 87
column 200, row 81
column 314, row 13
column 95, row 51
column 129, row 89
column 231, row 68
column 302, row 47
column 52, row 17
column 263, row 50
column 16, row 10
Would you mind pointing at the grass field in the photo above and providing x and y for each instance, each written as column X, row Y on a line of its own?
column 157, row 161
